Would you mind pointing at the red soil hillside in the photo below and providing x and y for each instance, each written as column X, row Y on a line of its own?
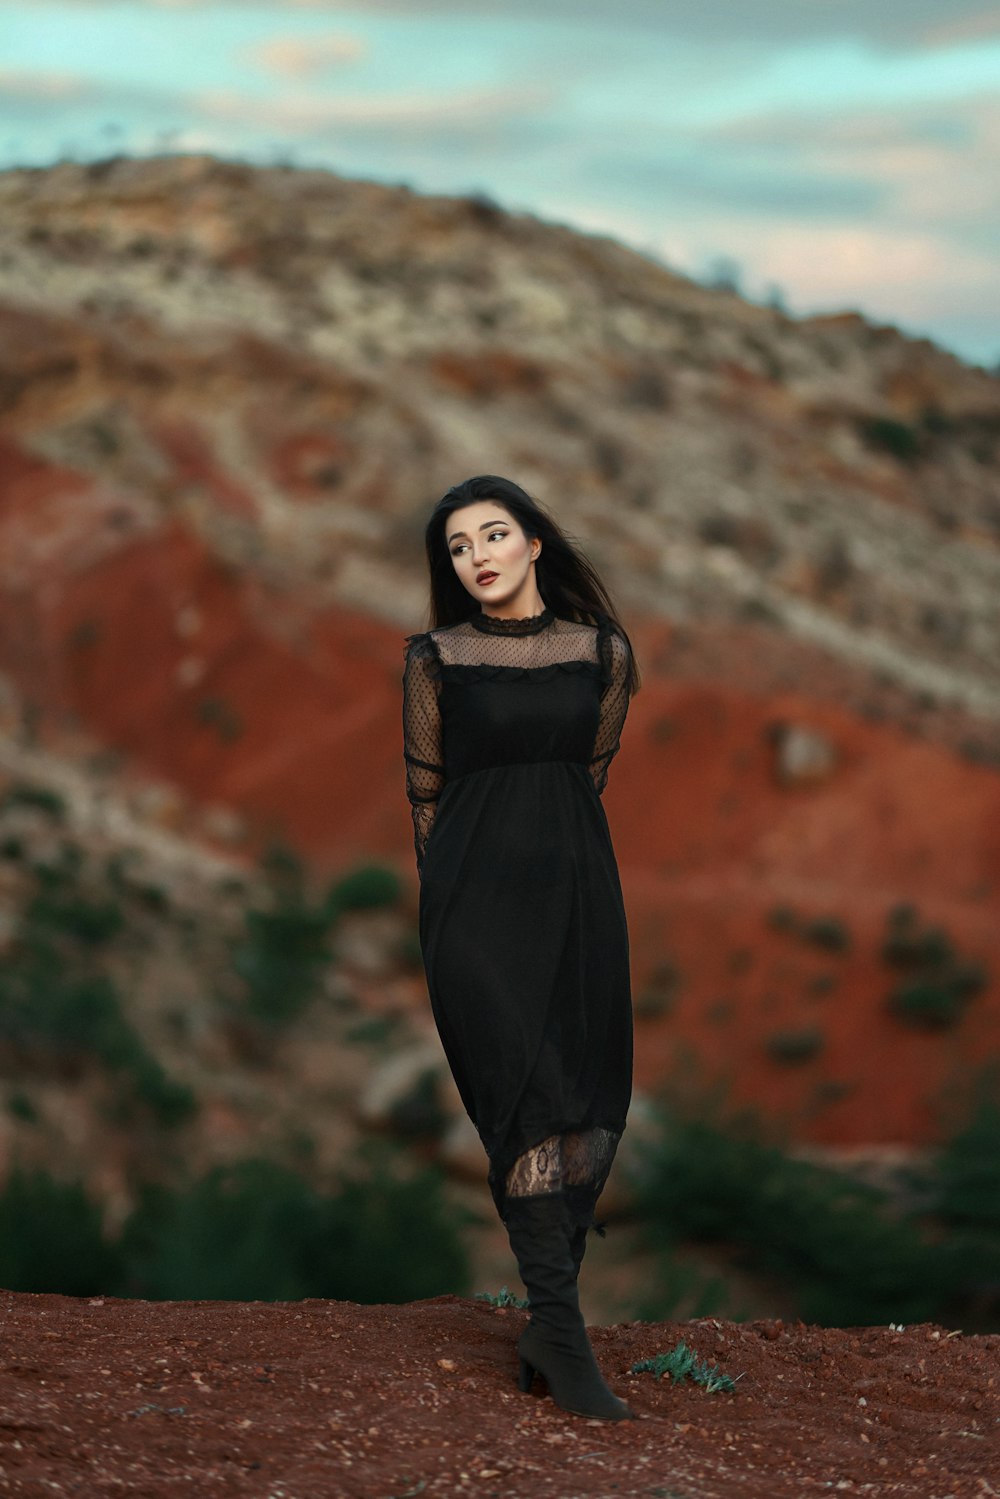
column 213, row 487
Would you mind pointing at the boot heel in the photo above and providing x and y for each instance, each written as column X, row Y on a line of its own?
column 526, row 1376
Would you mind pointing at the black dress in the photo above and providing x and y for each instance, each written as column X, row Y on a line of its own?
column 509, row 728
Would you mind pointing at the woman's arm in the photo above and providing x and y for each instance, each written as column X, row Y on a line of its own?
column 614, row 707
column 422, row 746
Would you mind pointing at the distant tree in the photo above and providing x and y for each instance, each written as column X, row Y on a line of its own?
column 723, row 273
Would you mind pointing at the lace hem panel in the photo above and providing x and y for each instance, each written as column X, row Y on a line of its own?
column 575, row 1159
column 423, row 820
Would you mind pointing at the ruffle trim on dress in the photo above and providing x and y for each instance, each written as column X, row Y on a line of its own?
column 480, row 672
column 527, row 624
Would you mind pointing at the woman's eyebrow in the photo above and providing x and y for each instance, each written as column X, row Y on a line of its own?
column 482, row 528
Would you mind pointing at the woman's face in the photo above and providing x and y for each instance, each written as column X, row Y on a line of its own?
column 485, row 538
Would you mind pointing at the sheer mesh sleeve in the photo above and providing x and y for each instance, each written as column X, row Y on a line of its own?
column 422, row 747
column 614, row 653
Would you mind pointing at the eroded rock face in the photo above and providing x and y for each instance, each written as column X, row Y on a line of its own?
column 802, row 755
column 228, row 399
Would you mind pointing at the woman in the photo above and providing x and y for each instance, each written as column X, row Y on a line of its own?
column 513, row 703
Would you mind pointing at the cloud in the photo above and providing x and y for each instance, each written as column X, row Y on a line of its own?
column 304, row 57
column 931, row 164
column 762, row 21
column 398, row 112
column 44, row 85
column 984, row 24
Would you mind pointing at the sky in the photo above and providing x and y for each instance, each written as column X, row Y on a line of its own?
column 826, row 154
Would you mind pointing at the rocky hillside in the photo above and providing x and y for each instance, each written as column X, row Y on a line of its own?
column 228, row 398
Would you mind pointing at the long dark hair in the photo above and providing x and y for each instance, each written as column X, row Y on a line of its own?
column 566, row 579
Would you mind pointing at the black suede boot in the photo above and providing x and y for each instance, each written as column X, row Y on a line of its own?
column 555, row 1342
column 580, row 1204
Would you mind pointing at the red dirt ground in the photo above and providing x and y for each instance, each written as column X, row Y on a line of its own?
column 328, row 1400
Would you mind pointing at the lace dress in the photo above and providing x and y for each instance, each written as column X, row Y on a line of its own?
column 509, row 726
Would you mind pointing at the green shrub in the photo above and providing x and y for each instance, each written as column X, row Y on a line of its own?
column 396, row 1239
column 285, row 947
column 937, row 983
column 967, row 1170
column 503, row 1298
column 660, row 993
column 40, row 798
column 822, row 983
column 51, row 1238
column 281, row 958
column 243, row 1232
column 20, row 1106
column 828, row 932
column 375, row 1030
column 365, row 888
column 834, row 1241
column 257, row 1231
column 795, row 1045
column 171, row 1103
column 218, row 714
column 895, row 437
column 408, row 950
column 683, row 1363
column 678, row 1290
column 70, row 914
column 419, row 1114
column 52, row 1019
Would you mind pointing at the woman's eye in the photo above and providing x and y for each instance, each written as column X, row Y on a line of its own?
column 455, row 550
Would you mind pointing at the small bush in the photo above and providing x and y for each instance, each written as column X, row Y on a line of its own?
column 40, row 798
column 20, row 1106
column 967, row 1171
column 660, row 993
column 682, row 1363
column 420, row 1114
column 827, row 932
column 377, row 1030
column 822, row 983
column 257, row 1231
column 835, row 1241
column 364, row 889
column 503, row 1298
column 52, row 1239
column 937, row 983
column 795, row 1046
column 219, row 715
column 281, row 958
column 897, row 438
column 71, row 914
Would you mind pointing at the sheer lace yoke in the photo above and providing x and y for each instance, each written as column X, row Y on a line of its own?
column 536, row 647
column 541, row 644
